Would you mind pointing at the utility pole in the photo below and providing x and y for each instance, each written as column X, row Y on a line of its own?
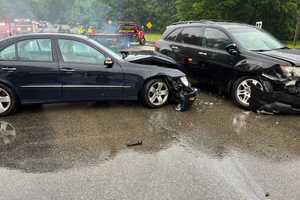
column 297, row 29
column 128, row 9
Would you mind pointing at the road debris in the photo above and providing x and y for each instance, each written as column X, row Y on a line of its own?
column 135, row 143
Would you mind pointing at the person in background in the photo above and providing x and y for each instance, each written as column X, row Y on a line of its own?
column 81, row 30
column 91, row 30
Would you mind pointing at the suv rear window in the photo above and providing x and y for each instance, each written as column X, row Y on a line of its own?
column 173, row 35
column 191, row 35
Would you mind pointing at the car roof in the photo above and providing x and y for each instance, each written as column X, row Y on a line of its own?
column 221, row 24
column 36, row 35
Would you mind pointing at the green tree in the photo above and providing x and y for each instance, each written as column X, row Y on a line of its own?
column 278, row 16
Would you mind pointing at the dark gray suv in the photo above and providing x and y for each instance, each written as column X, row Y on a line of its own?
column 233, row 57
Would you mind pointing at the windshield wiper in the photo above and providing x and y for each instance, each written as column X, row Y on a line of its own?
column 285, row 47
column 261, row 50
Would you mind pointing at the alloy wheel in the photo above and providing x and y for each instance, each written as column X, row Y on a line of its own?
column 243, row 91
column 5, row 100
column 158, row 93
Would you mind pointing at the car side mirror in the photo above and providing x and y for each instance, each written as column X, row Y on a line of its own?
column 232, row 49
column 108, row 62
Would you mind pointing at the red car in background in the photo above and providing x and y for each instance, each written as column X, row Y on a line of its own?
column 133, row 31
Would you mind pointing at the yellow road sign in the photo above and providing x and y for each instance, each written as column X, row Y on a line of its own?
column 149, row 25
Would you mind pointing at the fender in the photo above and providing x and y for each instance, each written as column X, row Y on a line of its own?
column 250, row 65
column 11, row 86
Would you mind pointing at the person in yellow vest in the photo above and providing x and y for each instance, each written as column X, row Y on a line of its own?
column 81, row 30
column 90, row 30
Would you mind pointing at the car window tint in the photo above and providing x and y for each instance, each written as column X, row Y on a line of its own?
column 172, row 36
column 8, row 53
column 77, row 52
column 35, row 50
column 191, row 35
column 216, row 39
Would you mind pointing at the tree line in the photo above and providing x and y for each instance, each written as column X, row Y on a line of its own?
column 278, row 16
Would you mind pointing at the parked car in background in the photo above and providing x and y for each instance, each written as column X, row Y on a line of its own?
column 234, row 57
column 5, row 29
column 23, row 26
column 133, row 31
column 117, row 42
column 50, row 68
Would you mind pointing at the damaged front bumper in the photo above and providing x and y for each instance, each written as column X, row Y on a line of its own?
column 184, row 95
column 285, row 100
column 186, row 99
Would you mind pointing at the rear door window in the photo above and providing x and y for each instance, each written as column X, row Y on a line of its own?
column 216, row 39
column 8, row 53
column 192, row 35
column 35, row 50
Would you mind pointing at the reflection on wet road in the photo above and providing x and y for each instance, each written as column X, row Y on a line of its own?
column 214, row 151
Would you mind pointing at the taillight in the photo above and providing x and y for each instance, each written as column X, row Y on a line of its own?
column 19, row 29
column 156, row 46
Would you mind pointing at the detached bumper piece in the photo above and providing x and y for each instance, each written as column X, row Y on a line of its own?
column 277, row 102
column 185, row 99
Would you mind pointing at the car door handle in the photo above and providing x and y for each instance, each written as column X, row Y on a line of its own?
column 68, row 70
column 202, row 53
column 10, row 69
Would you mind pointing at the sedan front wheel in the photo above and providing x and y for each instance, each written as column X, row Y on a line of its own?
column 156, row 93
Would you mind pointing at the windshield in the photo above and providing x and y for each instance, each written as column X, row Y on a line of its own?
column 256, row 40
column 114, row 54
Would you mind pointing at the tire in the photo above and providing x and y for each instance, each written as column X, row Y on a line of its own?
column 156, row 93
column 142, row 41
column 8, row 101
column 241, row 91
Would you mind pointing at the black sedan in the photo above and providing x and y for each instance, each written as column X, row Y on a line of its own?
column 53, row 68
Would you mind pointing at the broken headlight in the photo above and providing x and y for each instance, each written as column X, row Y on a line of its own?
column 185, row 81
column 287, row 70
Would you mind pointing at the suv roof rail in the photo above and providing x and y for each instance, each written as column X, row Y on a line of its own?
column 203, row 21
column 191, row 22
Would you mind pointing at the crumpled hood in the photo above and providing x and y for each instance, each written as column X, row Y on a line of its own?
column 289, row 55
column 152, row 64
column 152, row 59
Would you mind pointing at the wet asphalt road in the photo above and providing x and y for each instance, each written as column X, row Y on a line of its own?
column 214, row 151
